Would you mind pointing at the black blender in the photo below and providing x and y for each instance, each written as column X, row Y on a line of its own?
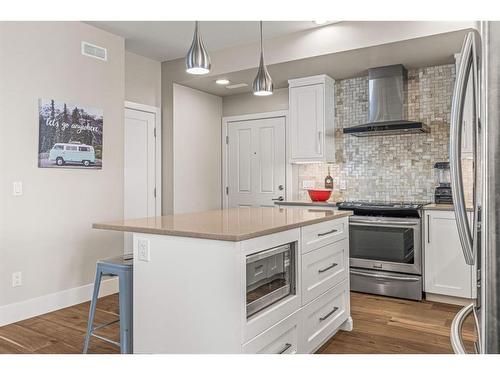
column 442, row 192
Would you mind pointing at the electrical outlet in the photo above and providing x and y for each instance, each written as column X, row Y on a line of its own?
column 308, row 184
column 143, row 250
column 17, row 279
column 17, row 188
column 343, row 185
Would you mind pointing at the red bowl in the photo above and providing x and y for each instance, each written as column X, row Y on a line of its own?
column 319, row 195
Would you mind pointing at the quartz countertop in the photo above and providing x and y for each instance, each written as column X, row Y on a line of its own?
column 442, row 207
column 233, row 224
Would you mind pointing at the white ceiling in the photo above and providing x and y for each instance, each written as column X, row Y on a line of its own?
column 414, row 53
column 169, row 40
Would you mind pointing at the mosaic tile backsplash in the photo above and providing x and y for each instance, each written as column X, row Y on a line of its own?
column 388, row 168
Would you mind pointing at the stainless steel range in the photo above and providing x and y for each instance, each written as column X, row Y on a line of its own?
column 385, row 244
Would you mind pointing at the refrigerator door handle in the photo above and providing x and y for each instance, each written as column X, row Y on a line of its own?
column 468, row 63
column 456, row 329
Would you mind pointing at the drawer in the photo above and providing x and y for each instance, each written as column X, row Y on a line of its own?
column 319, row 235
column 281, row 338
column 322, row 317
column 323, row 268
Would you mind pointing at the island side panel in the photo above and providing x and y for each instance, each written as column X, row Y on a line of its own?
column 187, row 296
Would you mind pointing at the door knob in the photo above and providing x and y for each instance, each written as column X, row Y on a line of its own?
column 278, row 199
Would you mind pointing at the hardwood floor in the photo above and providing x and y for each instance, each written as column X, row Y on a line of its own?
column 384, row 325
column 62, row 331
column 381, row 325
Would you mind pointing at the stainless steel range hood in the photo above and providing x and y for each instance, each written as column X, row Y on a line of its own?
column 386, row 99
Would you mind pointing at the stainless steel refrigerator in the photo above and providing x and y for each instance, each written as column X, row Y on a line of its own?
column 479, row 60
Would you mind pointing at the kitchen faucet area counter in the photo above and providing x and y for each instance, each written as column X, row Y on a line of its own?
column 233, row 224
column 239, row 280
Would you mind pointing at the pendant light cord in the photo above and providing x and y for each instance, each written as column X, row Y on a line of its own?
column 261, row 49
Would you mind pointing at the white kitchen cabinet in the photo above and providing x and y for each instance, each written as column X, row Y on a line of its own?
column 324, row 268
column 445, row 270
column 311, row 113
column 193, row 319
column 323, row 317
column 321, row 234
column 281, row 338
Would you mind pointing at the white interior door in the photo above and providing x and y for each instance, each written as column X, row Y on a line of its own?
column 256, row 162
column 140, row 168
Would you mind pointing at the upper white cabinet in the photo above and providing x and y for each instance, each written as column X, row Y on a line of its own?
column 445, row 269
column 311, row 112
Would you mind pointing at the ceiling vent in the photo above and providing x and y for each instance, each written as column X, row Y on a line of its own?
column 236, row 86
column 91, row 50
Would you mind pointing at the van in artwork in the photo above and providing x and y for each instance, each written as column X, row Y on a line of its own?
column 70, row 136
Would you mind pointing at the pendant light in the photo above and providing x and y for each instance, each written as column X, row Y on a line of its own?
column 197, row 58
column 262, row 84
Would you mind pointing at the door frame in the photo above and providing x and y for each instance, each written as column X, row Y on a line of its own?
column 226, row 121
column 157, row 112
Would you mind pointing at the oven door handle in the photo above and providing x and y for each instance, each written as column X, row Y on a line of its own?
column 384, row 276
column 383, row 222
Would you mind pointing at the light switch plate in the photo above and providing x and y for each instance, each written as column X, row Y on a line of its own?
column 143, row 250
column 17, row 188
column 308, row 184
column 343, row 185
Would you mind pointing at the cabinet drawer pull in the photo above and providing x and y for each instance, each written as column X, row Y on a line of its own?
column 329, row 232
column 287, row 346
column 328, row 268
column 327, row 315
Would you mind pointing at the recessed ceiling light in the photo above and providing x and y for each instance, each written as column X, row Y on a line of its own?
column 320, row 22
column 222, row 81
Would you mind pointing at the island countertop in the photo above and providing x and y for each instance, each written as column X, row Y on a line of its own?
column 443, row 207
column 232, row 224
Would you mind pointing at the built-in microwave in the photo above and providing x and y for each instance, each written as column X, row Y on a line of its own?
column 270, row 277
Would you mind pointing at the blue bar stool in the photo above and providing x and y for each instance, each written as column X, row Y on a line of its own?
column 123, row 268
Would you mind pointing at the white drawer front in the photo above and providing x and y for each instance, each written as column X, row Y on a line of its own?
column 281, row 338
column 323, row 316
column 318, row 235
column 323, row 268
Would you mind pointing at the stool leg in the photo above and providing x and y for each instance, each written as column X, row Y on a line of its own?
column 93, row 305
column 126, row 320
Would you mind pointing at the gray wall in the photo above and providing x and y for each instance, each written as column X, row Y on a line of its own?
column 197, row 150
column 142, row 80
column 248, row 103
column 46, row 233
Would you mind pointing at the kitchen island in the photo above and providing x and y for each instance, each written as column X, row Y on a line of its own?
column 240, row 280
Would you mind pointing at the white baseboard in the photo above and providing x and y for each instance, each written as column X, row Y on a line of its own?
column 447, row 299
column 18, row 311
